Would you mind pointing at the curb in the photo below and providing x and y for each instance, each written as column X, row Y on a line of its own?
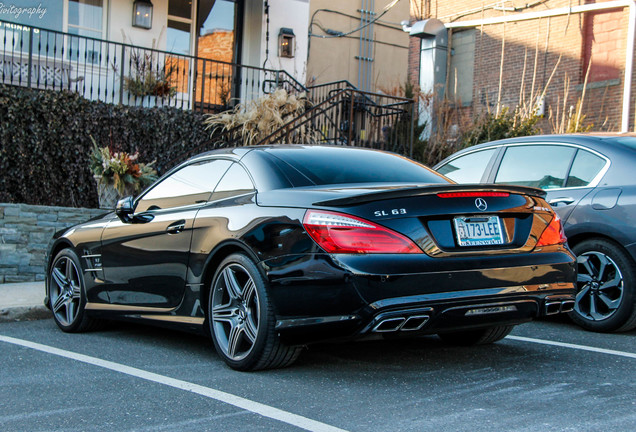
column 24, row 313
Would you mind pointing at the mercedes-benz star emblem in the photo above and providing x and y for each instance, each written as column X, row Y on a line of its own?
column 481, row 205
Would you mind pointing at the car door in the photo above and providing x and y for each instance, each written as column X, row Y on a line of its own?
column 145, row 259
column 566, row 172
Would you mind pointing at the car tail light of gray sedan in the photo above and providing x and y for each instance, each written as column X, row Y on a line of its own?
column 268, row 249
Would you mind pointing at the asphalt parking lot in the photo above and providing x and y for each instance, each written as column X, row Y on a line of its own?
column 137, row 378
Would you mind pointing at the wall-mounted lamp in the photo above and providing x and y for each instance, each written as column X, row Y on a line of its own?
column 142, row 14
column 286, row 41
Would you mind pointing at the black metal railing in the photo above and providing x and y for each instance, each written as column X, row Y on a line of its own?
column 347, row 116
column 125, row 74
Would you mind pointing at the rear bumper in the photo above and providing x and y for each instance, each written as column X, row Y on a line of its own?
column 319, row 297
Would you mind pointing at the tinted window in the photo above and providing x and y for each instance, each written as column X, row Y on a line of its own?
column 235, row 182
column 469, row 168
column 585, row 167
column 339, row 165
column 190, row 185
column 542, row 166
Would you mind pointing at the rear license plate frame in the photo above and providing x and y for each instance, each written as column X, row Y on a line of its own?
column 493, row 233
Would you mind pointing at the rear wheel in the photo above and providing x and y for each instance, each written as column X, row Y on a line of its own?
column 67, row 297
column 476, row 337
column 241, row 318
column 606, row 285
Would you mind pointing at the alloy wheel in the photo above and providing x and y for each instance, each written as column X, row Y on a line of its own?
column 65, row 290
column 235, row 311
column 600, row 285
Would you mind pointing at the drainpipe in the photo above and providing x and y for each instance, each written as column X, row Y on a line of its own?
column 629, row 65
column 615, row 4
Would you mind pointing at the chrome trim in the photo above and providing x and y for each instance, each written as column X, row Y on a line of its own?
column 595, row 181
column 484, row 292
column 175, row 319
column 298, row 322
column 92, row 256
column 494, row 304
column 94, row 270
column 124, row 308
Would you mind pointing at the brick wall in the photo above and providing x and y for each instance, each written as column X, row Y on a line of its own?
column 535, row 46
column 25, row 232
column 215, row 84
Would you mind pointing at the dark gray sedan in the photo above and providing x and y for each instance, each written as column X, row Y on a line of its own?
column 590, row 181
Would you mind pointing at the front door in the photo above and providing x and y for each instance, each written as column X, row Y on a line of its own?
column 145, row 260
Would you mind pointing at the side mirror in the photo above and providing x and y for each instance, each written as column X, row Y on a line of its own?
column 125, row 208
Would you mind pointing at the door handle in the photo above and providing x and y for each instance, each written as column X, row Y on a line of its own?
column 563, row 200
column 176, row 227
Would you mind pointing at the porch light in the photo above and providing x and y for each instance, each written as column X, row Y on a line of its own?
column 142, row 14
column 286, row 40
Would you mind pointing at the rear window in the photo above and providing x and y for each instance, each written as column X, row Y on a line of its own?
column 339, row 165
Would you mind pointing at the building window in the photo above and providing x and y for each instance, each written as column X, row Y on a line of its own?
column 179, row 26
column 85, row 18
column 603, row 37
column 462, row 66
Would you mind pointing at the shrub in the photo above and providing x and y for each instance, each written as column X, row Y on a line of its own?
column 45, row 142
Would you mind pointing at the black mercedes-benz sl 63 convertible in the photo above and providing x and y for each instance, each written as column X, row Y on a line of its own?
column 268, row 249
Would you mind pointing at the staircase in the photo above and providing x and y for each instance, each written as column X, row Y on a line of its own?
column 339, row 114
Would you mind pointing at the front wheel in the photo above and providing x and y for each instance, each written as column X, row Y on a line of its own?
column 67, row 297
column 476, row 337
column 606, row 284
column 241, row 318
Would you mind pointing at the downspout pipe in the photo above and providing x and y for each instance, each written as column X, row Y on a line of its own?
column 615, row 4
column 629, row 67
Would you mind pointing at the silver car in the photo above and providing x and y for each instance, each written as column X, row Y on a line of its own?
column 590, row 180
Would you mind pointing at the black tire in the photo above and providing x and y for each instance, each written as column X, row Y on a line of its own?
column 476, row 337
column 241, row 319
column 606, row 297
column 67, row 294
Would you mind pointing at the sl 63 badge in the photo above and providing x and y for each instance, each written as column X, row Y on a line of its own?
column 392, row 212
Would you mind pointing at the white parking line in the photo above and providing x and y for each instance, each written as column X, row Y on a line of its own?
column 573, row 346
column 237, row 401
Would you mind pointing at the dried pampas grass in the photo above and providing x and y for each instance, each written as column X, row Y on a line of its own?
column 256, row 121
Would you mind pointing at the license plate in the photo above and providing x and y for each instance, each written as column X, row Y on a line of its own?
column 478, row 231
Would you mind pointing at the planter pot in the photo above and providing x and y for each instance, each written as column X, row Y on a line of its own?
column 108, row 194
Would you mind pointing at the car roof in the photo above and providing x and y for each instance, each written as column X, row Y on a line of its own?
column 604, row 142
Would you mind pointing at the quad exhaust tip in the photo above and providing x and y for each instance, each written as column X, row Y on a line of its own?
column 556, row 307
column 394, row 324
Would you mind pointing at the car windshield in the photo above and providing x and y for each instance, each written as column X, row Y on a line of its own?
column 338, row 165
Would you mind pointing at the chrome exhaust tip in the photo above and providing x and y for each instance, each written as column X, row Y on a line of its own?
column 389, row 325
column 567, row 306
column 552, row 308
column 415, row 323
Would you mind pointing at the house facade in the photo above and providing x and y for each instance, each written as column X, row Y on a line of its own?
column 361, row 41
column 202, row 51
column 559, row 58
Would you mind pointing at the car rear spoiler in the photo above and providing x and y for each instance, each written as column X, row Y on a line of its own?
column 429, row 190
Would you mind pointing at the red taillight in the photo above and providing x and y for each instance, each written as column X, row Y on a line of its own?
column 553, row 234
column 471, row 194
column 343, row 233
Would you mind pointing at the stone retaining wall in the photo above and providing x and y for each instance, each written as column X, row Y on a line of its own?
column 25, row 232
